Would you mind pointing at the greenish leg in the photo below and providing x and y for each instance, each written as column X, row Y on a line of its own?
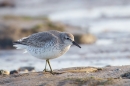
column 45, row 67
column 49, row 65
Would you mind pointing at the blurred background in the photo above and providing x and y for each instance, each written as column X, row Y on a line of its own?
column 101, row 27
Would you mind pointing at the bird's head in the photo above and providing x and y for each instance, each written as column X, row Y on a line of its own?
column 68, row 39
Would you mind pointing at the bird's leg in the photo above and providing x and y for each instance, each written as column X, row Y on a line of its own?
column 51, row 69
column 49, row 65
column 45, row 66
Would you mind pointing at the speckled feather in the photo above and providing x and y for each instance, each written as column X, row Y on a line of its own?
column 45, row 45
column 38, row 39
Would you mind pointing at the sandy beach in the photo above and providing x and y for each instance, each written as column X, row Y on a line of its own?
column 76, row 76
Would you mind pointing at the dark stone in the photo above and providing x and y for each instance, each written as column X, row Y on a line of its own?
column 26, row 68
column 7, row 3
column 14, row 72
column 126, row 75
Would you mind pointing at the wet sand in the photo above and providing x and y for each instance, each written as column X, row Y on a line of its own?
column 77, row 76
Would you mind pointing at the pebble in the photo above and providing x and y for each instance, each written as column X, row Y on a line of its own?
column 27, row 69
column 4, row 72
column 117, row 69
column 14, row 72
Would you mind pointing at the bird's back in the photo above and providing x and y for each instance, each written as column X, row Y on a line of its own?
column 38, row 39
column 43, row 44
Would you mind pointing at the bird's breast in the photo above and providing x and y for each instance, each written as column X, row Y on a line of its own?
column 48, row 52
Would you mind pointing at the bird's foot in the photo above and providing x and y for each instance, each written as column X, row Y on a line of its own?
column 52, row 72
column 55, row 73
column 45, row 70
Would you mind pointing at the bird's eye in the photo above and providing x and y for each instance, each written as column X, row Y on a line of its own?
column 68, row 38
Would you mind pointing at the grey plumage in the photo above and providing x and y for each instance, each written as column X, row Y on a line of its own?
column 47, row 45
column 37, row 39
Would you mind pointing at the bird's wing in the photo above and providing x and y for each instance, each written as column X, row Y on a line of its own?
column 37, row 39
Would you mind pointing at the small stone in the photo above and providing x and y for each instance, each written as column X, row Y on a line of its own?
column 26, row 69
column 108, row 66
column 4, row 72
column 117, row 69
column 99, row 69
column 126, row 75
column 14, row 72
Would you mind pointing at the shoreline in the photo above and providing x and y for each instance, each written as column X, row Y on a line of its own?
column 75, row 76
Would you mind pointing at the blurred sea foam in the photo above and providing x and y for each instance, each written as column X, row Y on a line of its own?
column 98, row 15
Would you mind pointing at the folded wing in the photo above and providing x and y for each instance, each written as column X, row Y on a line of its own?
column 36, row 40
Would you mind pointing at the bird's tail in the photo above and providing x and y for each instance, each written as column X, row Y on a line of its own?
column 18, row 45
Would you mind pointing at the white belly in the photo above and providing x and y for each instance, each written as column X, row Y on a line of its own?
column 47, row 53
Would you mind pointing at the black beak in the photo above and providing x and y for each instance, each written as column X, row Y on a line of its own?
column 76, row 44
